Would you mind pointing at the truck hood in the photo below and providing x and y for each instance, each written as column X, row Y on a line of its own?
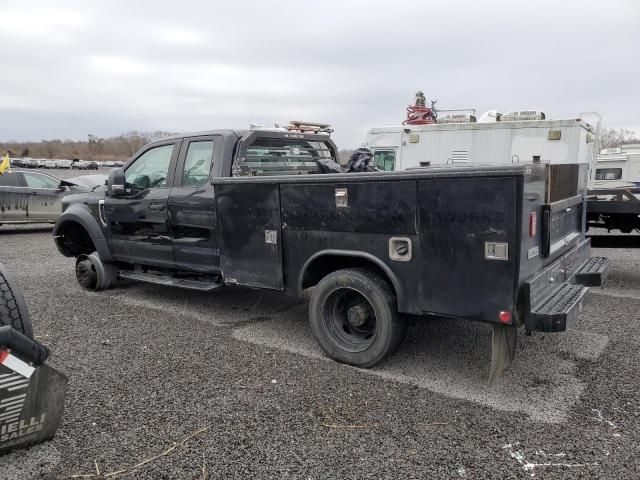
column 88, row 182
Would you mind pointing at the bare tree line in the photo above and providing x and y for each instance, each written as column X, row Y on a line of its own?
column 611, row 138
column 120, row 147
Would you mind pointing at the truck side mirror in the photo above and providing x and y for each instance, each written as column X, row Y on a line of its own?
column 116, row 183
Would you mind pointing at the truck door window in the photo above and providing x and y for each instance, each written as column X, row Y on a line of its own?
column 37, row 180
column 197, row 165
column 150, row 170
column 608, row 173
column 385, row 160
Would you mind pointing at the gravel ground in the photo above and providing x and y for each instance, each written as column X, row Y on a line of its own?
column 149, row 366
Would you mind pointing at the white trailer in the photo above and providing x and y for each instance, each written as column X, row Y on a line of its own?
column 502, row 141
column 618, row 166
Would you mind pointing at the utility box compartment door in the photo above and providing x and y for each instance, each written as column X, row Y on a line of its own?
column 469, row 247
column 250, row 234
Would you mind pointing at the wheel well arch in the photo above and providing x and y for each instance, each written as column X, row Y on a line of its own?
column 75, row 217
column 324, row 262
column 73, row 239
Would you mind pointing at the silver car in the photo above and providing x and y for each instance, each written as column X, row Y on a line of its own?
column 34, row 197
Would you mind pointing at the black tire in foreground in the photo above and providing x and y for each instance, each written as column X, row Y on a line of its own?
column 354, row 317
column 13, row 309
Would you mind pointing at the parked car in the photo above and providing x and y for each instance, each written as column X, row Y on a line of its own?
column 109, row 164
column 35, row 197
column 65, row 164
column 85, row 165
column 50, row 164
column 40, row 163
column 118, row 164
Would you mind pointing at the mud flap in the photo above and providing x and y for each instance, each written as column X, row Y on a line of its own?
column 503, row 350
column 31, row 393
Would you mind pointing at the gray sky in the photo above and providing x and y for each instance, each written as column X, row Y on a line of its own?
column 107, row 67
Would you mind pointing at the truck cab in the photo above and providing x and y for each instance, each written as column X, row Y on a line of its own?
column 161, row 213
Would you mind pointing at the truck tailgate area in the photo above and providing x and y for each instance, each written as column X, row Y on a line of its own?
column 555, row 296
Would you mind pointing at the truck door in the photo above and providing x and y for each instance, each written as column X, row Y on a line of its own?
column 192, row 216
column 137, row 224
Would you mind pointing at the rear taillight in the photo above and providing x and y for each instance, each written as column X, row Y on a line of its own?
column 533, row 224
column 504, row 317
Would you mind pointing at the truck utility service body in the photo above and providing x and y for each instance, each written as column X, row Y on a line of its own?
column 503, row 245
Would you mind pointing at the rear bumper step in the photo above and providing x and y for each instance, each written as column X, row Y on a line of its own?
column 559, row 310
column 593, row 272
column 554, row 297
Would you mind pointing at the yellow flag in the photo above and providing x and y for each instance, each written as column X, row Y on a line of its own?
column 5, row 164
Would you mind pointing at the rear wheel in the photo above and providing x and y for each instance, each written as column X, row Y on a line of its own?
column 13, row 309
column 353, row 315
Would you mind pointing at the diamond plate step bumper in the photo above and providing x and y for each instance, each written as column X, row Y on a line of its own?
column 593, row 272
column 560, row 309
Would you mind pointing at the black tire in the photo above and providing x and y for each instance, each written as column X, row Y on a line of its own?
column 86, row 274
column 354, row 316
column 13, row 309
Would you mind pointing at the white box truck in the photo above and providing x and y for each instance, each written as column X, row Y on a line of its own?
column 513, row 137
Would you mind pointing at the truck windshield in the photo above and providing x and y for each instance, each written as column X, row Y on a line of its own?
column 385, row 160
column 282, row 156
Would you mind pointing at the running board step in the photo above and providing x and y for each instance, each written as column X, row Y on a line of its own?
column 560, row 309
column 593, row 273
column 170, row 281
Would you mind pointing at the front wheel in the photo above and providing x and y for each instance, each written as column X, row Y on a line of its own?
column 354, row 316
column 93, row 274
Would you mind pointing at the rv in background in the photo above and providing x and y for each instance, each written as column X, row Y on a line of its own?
column 619, row 166
column 458, row 139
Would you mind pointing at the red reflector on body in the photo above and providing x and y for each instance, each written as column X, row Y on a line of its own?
column 505, row 317
column 533, row 224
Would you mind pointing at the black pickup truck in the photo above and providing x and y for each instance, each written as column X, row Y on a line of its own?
column 502, row 245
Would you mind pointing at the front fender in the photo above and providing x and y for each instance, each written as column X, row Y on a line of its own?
column 80, row 214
